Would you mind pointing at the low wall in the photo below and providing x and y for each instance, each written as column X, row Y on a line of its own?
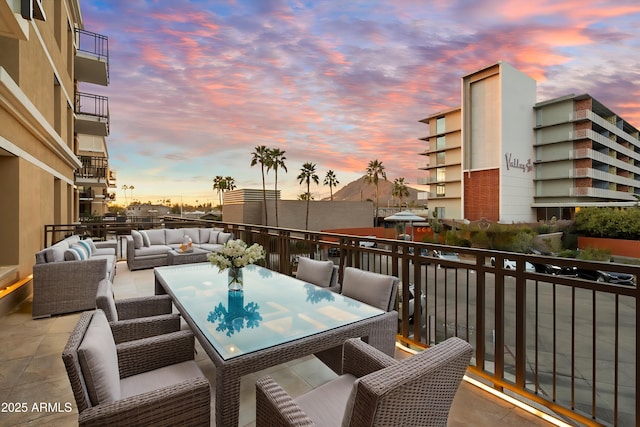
column 619, row 247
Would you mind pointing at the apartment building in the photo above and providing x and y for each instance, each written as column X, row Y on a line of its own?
column 52, row 134
column 503, row 156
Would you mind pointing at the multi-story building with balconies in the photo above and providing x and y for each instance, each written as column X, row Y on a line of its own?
column 502, row 156
column 52, row 135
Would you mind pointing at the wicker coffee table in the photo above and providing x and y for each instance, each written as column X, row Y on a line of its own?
column 175, row 257
column 275, row 319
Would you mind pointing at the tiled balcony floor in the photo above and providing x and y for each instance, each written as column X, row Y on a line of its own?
column 32, row 372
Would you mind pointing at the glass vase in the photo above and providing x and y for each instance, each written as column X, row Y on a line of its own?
column 236, row 282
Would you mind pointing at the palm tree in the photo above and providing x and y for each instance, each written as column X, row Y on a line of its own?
column 261, row 155
column 219, row 185
column 331, row 180
column 400, row 190
column 125, row 187
column 375, row 169
column 308, row 174
column 276, row 161
column 131, row 188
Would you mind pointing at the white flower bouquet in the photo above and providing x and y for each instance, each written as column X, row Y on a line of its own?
column 236, row 253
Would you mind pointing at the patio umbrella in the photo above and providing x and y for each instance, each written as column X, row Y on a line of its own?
column 405, row 216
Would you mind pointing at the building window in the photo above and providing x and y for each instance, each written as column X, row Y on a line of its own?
column 440, row 125
column 440, row 212
column 440, row 143
column 441, row 175
column 440, row 190
column 440, row 158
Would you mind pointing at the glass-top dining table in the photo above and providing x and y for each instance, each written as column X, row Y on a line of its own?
column 274, row 319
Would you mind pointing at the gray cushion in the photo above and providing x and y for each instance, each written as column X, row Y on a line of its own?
column 138, row 242
column 326, row 404
column 213, row 236
column 314, row 271
column 205, row 233
column 223, row 237
column 174, row 235
column 99, row 361
column 193, row 233
column 370, row 288
column 156, row 237
column 145, row 239
column 152, row 250
column 159, row 378
column 93, row 245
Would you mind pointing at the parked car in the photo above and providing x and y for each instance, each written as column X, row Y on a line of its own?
column 607, row 276
column 509, row 264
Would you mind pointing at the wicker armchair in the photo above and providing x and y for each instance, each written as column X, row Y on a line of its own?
column 377, row 290
column 320, row 273
column 136, row 318
column 375, row 390
column 148, row 382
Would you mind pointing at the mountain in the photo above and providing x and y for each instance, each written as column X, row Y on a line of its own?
column 360, row 190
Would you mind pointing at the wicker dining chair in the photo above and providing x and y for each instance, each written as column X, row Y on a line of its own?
column 377, row 290
column 320, row 273
column 136, row 318
column 374, row 390
column 149, row 382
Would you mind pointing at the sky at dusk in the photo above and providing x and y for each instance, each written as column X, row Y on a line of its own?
column 196, row 85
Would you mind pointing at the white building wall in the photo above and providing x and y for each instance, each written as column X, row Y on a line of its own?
column 518, row 96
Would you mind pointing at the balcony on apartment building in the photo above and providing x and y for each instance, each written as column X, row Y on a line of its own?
column 92, row 114
column 92, row 58
column 94, row 171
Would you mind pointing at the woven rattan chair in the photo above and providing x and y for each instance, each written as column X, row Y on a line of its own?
column 136, row 318
column 374, row 390
column 148, row 382
column 377, row 290
column 320, row 273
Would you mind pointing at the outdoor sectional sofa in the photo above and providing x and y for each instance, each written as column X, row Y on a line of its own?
column 66, row 275
column 149, row 248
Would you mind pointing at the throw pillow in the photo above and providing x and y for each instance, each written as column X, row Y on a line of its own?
column 213, row 237
column 223, row 238
column 93, row 245
column 82, row 252
column 71, row 255
column 99, row 361
column 145, row 239
column 137, row 239
column 86, row 246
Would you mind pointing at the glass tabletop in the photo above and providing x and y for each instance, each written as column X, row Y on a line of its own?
column 272, row 309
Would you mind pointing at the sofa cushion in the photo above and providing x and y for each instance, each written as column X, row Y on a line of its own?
column 56, row 252
column 137, row 239
column 99, row 361
column 223, row 237
column 156, row 237
column 370, row 288
column 145, row 238
column 174, row 236
column 205, row 233
column 193, row 233
column 92, row 244
column 213, row 236
column 76, row 253
column 326, row 404
column 152, row 250
column 314, row 271
column 211, row 247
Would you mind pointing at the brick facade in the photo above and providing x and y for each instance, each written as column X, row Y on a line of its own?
column 482, row 195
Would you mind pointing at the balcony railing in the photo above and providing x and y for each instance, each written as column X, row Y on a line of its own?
column 92, row 114
column 540, row 333
column 92, row 57
column 93, row 171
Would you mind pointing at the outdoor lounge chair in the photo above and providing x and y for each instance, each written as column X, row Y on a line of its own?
column 148, row 382
column 377, row 290
column 320, row 273
column 375, row 389
column 136, row 318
